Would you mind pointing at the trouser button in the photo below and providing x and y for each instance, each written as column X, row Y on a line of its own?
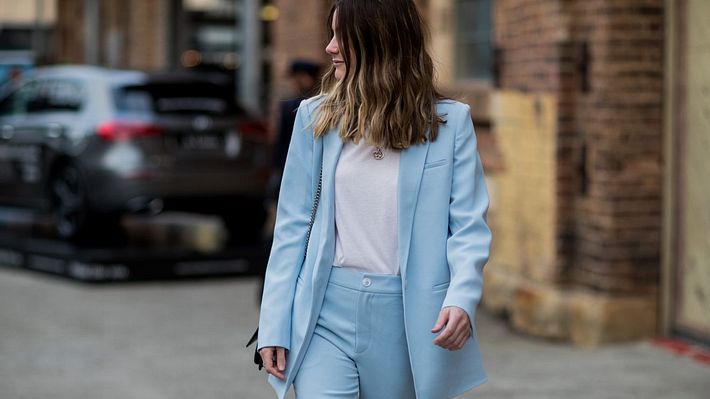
column 366, row 282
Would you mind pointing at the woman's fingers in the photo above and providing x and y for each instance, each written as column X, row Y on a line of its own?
column 444, row 339
column 441, row 321
column 461, row 338
column 456, row 342
column 270, row 357
column 281, row 359
column 453, row 342
column 266, row 354
column 452, row 320
column 457, row 330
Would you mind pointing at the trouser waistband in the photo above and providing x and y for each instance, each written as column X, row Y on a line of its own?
column 368, row 282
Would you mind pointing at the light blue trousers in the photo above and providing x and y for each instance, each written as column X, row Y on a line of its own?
column 359, row 348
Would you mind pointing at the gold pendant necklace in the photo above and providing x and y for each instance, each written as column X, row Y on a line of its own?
column 378, row 154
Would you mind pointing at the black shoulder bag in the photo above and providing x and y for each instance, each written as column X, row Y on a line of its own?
column 316, row 199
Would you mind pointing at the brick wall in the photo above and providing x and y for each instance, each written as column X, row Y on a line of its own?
column 538, row 56
column 530, row 33
column 618, row 217
column 609, row 128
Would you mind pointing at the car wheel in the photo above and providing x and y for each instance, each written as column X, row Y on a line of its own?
column 69, row 199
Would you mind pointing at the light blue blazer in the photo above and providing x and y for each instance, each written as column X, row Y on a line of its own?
column 444, row 242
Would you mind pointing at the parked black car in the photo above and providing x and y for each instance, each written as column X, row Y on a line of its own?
column 90, row 144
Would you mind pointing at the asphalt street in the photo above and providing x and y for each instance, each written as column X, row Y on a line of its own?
column 176, row 339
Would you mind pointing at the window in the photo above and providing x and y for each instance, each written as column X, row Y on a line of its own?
column 176, row 97
column 56, row 95
column 16, row 102
column 473, row 51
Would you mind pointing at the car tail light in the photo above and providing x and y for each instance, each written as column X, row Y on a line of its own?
column 119, row 131
column 254, row 130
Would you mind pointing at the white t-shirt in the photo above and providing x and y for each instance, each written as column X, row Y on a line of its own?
column 366, row 211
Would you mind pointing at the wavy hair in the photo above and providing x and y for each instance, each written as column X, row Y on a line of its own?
column 387, row 94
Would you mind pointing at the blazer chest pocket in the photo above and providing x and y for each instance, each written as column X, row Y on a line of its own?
column 434, row 164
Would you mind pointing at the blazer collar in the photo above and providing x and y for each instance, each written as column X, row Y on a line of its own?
column 411, row 167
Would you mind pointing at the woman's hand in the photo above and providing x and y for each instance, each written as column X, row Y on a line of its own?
column 274, row 358
column 457, row 331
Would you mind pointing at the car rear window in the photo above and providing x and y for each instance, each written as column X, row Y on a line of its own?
column 178, row 98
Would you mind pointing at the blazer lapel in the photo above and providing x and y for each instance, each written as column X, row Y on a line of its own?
column 332, row 145
column 411, row 167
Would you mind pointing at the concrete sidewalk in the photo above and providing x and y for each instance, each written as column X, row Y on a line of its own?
column 525, row 367
column 185, row 339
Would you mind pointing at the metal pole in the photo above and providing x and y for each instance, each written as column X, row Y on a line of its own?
column 250, row 66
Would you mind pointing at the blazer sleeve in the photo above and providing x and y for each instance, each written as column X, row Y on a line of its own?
column 292, row 218
column 469, row 241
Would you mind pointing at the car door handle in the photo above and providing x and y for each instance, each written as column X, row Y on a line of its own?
column 6, row 132
column 54, row 130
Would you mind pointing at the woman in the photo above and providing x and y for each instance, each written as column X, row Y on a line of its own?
column 383, row 305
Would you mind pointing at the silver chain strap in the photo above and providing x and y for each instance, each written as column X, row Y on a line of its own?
column 316, row 200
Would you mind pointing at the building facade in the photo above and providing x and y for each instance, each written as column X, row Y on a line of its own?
column 580, row 213
column 592, row 169
column 119, row 34
column 26, row 36
column 228, row 36
column 686, row 218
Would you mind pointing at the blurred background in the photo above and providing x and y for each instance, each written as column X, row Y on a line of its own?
column 141, row 143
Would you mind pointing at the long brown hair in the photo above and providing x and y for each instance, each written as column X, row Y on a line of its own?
column 388, row 89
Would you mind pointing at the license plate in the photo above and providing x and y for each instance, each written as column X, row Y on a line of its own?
column 201, row 142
